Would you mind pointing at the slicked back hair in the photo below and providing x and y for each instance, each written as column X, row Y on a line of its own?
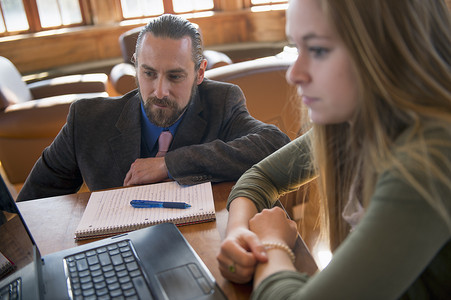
column 174, row 27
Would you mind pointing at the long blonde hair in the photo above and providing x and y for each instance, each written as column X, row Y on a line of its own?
column 402, row 55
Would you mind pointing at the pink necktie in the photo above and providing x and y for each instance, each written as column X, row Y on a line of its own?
column 164, row 141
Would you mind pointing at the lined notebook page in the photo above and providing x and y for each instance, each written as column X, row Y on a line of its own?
column 109, row 212
column 5, row 265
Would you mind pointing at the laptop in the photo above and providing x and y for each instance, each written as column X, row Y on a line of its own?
column 151, row 263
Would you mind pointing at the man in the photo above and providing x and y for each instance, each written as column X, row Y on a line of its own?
column 110, row 142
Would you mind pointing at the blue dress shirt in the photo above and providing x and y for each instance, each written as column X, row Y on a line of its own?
column 150, row 133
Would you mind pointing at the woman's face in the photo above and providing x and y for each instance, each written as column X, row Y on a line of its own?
column 323, row 71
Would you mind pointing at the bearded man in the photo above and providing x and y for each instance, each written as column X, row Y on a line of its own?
column 113, row 142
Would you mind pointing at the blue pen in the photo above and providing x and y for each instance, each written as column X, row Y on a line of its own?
column 163, row 204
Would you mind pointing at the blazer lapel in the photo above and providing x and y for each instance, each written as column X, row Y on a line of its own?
column 191, row 130
column 126, row 145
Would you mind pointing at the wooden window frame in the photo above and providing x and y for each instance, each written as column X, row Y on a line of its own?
column 169, row 9
column 248, row 3
column 34, row 22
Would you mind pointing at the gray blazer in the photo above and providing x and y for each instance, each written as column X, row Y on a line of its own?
column 217, row 140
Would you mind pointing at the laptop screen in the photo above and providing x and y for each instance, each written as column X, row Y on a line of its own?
column 16, row 244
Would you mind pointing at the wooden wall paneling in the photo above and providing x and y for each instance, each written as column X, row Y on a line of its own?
column 105, row 11
column 231, row 5
column 268, row 26
column 46, row 52
column 40, row 52
column 108, row 43
column 225, row 29
column 33, row 53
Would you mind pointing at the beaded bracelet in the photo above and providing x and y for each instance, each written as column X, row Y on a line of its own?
column 282, row 246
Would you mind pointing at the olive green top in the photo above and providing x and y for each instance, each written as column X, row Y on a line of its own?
column 400, row 249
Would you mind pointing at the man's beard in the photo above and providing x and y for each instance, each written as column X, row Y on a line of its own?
column 165, row 117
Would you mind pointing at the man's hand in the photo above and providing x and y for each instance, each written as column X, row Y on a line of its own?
column 146, row 170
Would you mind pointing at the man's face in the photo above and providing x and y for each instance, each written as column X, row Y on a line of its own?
column 166, row 77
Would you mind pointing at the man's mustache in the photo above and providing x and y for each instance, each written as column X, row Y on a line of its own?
column 162, row 102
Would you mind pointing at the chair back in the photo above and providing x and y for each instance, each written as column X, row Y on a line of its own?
column 269, row 98
column 123, row 75
column 127, row 42
column 12, row 88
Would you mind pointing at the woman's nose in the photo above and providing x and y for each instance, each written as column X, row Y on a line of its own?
column 298, row 73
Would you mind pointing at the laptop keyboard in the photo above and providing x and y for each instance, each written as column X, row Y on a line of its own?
column 107, row 272
column 11, row 291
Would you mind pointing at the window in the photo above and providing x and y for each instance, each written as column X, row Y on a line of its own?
column 55, row 13
column 183, row 6
column 19, row 16
column 147, row 8
column 13, row 16
column 141, row 8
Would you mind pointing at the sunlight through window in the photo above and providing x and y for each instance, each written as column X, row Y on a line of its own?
column 141, row 8
column 54, row 13
column 2, row 25
column 322, row 255
column 181, row 6
column 14, row 15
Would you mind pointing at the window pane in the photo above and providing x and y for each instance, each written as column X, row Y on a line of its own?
column 15, row 17
column 59, row 12
column 70, row 12
column 141, row 8
column 2, row 26
column 49, row 13
column 181, row 6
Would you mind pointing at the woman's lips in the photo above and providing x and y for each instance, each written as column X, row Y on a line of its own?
column 308, row 100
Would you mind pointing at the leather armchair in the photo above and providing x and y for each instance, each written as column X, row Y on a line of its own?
column 122, row 75
column 32, row 115
column 269, row 98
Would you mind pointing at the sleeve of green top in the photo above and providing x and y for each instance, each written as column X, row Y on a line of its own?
column 281, row 172
column 271, row 289
column 400, row 238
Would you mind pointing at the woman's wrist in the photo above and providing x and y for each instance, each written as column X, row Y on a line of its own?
column 279, row 260
column 269, row 245
column 241, row 210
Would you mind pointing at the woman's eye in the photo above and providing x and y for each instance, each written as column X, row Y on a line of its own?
column 318, row 52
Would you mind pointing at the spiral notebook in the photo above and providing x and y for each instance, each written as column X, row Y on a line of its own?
column 5, row 265
column 109, row 212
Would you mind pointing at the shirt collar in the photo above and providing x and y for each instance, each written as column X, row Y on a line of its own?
column 150, row 132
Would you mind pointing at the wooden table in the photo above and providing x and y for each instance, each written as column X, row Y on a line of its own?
column 52, row 222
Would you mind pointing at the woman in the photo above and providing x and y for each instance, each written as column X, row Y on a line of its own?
column 376, row 78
